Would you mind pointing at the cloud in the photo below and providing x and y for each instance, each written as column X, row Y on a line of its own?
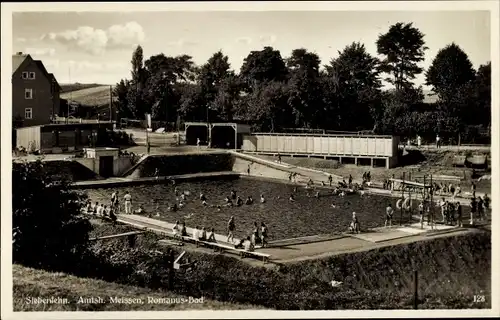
column 21, row 39
column 97, row 41
column 244, row 40
column 268, row 39
column 41, row 51
column 182, row 43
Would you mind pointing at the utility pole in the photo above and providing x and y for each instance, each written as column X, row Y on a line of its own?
column 111, row 104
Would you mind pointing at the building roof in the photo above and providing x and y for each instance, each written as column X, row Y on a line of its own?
column 17, row 60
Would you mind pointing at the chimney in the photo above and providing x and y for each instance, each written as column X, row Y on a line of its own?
column 19, row 53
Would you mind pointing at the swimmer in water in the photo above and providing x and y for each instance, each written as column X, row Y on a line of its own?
column 334, row 206
column 294, row 189
column 183, row 197
column 176, row 191
column 239, row 201
column 317, row 195
column 249, row 200
column 219, row 208
column 202, row 197
column 262, row 199
column 292, row 198
column 204, row 203
column 181, row 204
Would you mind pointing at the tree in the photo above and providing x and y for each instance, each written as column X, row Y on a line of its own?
column 450, row 72
column 482, row 96
column 120, row 91
column 164, row 74
column 266, row 106
column 212, row 74
column 355, row 78
column 263, row 66
column 403, row 47
column 48, row 228
column 138, row 67
column 304, row 88
column 226, row 98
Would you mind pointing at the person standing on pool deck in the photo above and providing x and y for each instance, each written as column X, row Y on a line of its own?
column 421, row 214
column 230, row 230
column 263, row 234
column 388, row 215
column 330, row 179
column 473, row 206
column 459, row 214
column 114, row 201
column 248, row 169
column 128, row 203
column 255, row 233
column 350, row 181
column 279, row 158
column 480, row 208
column 198, row 143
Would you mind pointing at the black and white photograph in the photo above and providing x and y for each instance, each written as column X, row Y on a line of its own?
column 250, row 158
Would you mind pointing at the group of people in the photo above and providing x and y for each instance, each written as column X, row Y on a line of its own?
column 113, row 208
column 259, row 235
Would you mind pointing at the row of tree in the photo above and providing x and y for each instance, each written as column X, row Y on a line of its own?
column 273, row 93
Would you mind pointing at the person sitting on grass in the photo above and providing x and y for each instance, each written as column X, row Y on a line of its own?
column 140, row 210
column 173, row 207
column 211, row 236
column 233, row 194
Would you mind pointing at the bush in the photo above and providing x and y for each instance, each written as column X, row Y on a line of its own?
column 48, row 229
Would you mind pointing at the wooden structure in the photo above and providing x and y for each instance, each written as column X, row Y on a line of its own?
column 55, row 138
column 346, row 148
column 164, row 229
column 114, row 236
column 217, row 135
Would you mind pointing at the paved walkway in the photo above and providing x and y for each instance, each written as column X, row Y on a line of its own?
column 112, row 182
column 313, row 247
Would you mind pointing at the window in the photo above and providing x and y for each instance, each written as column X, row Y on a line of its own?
column 28, row 113
column 28, row 93
column 32, row 75
column 25, row 75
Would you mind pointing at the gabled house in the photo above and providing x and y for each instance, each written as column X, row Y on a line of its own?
column 35, row 92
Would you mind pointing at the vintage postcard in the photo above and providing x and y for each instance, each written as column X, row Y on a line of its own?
column 250, row 159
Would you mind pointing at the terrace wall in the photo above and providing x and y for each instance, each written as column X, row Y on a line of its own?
column 168, row 165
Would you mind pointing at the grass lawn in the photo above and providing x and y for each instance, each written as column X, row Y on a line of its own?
column 34, row 283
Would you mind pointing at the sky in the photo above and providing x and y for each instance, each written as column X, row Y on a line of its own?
column 96, row 47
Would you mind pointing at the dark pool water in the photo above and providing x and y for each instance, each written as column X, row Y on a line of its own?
column 304, row 217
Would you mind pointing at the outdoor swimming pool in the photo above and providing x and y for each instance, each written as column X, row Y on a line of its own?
column 305, row 217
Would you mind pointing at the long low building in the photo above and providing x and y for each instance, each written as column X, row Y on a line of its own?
column 55, row 138
column 374, row 150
